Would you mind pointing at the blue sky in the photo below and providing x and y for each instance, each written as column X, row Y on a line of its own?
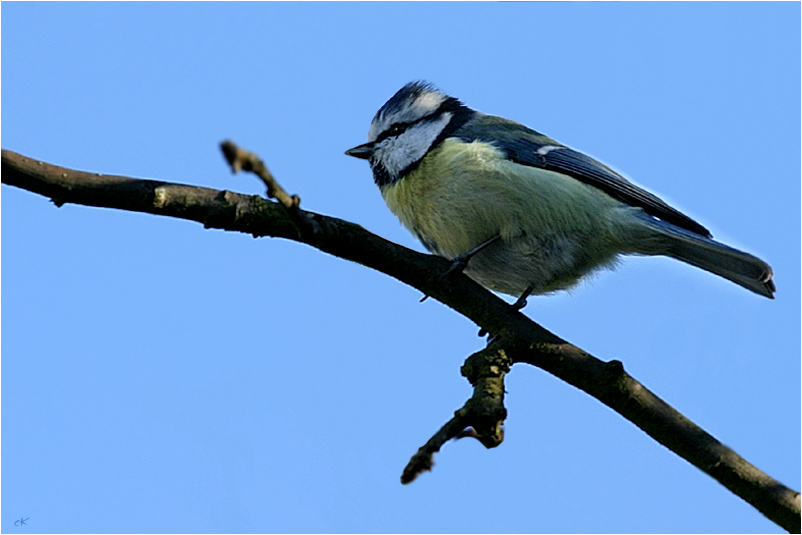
column 159, row 377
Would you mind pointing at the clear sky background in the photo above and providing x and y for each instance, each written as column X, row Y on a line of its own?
column 157, row 376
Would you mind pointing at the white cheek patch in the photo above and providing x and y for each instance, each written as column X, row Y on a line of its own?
column 399, row 152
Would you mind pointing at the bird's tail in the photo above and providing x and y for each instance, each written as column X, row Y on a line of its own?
column 741, row 268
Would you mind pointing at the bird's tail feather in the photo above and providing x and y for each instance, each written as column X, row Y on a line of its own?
column 741, row 268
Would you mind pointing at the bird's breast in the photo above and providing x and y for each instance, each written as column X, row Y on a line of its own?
column 464, row 193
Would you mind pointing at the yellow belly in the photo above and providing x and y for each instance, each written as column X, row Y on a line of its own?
column 554, row 229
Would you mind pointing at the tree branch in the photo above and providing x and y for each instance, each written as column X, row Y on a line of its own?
column 481, row 417
column 519, row 339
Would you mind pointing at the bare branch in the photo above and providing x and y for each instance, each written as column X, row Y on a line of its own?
column 520, row 340
column 481, row 417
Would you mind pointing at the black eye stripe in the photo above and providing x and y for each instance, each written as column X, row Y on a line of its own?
column 398, row 128
column 395, row 130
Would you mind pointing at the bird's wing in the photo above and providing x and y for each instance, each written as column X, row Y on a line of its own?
column 528, row 147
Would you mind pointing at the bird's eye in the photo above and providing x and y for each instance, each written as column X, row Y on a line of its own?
column 393, row 131
column 396, row 129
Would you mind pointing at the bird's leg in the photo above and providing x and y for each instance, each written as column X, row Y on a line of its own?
column 521, row 302
column 460, row 262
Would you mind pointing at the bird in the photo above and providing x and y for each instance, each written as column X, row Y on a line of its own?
column 518, row 212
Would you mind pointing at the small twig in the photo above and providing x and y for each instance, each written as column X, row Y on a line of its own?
column 523, row 340
column 244, row 160
column 482, row 417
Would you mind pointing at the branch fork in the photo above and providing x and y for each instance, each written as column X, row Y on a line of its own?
column 520, row 339
column 482, row 417
column 244, row 160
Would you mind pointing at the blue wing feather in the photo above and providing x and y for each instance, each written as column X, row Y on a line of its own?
column 528, row 147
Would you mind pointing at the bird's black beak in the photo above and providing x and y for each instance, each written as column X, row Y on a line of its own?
column 363, row 152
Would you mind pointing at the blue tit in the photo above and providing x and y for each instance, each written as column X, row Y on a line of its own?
column 522, row 212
